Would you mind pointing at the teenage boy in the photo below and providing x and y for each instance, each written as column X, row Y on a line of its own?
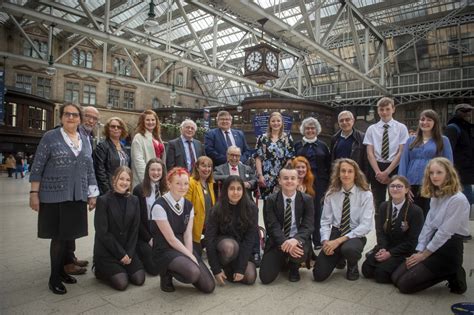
column 288, row 217
column 384, row 141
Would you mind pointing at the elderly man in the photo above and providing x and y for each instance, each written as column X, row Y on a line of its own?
column 184, row 150
column 219, row 139
column 348, row 142
column 235, row 167
column 72, row 265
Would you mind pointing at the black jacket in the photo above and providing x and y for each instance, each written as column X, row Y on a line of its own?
column 320, row 162
column 462, row 144
column 273, row 216
column 358, row 152
column 116, row 233
column 106, row 160
column 398, row 242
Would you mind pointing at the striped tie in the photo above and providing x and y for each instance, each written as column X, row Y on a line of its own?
column 385, row 142
column 394, row 217
column 157, row 191
column 287, row 222
column 345, row 226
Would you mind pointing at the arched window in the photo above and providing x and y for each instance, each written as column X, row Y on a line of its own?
column 82, row 58
column 116, row 65
column 75, row 57
column 155, row 103
column 156, row 73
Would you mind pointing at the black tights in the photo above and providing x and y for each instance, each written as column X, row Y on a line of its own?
column 120, row 280
column 186, row 271
column 228, row 250
column 57, row 253
column 415, row 279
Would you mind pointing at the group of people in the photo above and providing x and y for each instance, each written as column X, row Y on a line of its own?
column 158, row 208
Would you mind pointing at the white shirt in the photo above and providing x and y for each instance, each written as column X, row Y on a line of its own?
column 398, row 206
column 231, row 136
column 397, row 135
column 293, row 229
column 362, row 211
column 447, row 216
column 150, row 200
column 159, row 213
column 232, row 172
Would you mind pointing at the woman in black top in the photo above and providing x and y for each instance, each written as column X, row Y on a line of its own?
column 153, row 186
column 230, row 232
column 398, row 225
column 116, row 222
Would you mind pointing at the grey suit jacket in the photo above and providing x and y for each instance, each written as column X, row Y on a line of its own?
column 247, row 174
column 176, row 156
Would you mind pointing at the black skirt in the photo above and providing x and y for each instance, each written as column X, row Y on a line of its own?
column 106, row 267
column 63, row 220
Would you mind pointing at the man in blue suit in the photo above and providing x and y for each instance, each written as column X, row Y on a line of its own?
column 219, row 139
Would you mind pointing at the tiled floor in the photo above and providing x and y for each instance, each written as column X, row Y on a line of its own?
column 24, row 271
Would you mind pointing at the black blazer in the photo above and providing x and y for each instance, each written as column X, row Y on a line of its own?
column 106, row 161
column 273, row 216
column 144, row 230
column 176, row 156
column 247, row 174
column 398, row 242
column 116, row 235
column 358, row 151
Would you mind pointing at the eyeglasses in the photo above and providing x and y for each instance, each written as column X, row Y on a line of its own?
column 71, row 115
column 397, row 187
column 115, row 127
column 91, row 117
column 235, row 155
column 345, row 120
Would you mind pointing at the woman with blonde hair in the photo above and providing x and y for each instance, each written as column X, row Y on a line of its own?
column 274, row 149
column 201, row 195
column 146, row 144
column 398, row 225
column 346, row 220
column 440, row 246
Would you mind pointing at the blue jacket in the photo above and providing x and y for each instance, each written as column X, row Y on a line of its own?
column 216, row 145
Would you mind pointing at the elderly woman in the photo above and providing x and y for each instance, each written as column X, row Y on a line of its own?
column 317, row 153
column 62, row 184
column 110, row 153
column 146, row 144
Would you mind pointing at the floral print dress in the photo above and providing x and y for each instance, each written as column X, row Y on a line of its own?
column 274, row 156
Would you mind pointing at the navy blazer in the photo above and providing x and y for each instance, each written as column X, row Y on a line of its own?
column 176, row 155
column 216, row 145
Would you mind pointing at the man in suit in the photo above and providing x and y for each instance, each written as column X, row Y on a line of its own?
column 235, row 167
column 219, row 139
column 289, row 221
column 184, row 150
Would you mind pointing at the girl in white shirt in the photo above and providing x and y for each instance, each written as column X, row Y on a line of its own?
column 440, row 248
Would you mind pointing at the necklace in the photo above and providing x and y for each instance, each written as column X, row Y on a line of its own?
column 74, row 144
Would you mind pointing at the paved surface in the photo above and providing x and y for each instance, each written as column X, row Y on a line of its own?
column 24, row 272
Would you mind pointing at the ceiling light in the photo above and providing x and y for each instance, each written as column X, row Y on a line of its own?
column 51, row 70
column 150, row 24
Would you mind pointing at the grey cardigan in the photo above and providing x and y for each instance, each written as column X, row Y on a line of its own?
column 62, row 175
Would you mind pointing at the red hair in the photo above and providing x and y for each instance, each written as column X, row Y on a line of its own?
column 308, row 180
column 176, row 171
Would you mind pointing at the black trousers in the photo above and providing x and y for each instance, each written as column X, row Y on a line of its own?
column 351, row 250
column 379, row 190
column 274, row 261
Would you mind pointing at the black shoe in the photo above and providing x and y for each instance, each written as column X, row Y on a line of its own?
column 166, row 283
column 352, row 272
column 294, row 274
column 57, row 288
column 341, row 264
column 68, row 279
column 257, row 259
column 457, row 284
column 466, row 238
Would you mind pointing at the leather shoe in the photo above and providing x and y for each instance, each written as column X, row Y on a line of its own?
column 80, row 263
column 57, row 288
column 341, row 264
column 68, row 279
column 294, row 274
column 166, row 283
column 72, row 269
column 352, row 273
column 457, row 284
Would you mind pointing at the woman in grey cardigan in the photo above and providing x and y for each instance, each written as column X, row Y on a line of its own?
column 62, row 185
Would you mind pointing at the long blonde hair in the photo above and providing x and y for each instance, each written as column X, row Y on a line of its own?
column 451, row 185
column 269, row 128
column 335, row 183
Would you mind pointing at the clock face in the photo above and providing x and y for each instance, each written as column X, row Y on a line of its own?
column 254, row 61
column 271, row 61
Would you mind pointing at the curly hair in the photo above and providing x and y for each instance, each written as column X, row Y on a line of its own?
column 308, row 180
column 449, row 187
column 336, row 184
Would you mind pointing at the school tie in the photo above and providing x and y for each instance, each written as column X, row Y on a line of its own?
column 394, row 216
column 191, row 153
column 177, row 206
column 385, row 142
column 287, row 219
column 157, row 191
column 345, row 226
column 227, row 139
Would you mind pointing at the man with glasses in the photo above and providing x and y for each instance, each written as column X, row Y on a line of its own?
column 91, row 118
column 219, row 139
column 461, row 135
column 184, row 150
column 348, row 142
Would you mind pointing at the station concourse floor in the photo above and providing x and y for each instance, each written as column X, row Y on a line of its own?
column 24, row 272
